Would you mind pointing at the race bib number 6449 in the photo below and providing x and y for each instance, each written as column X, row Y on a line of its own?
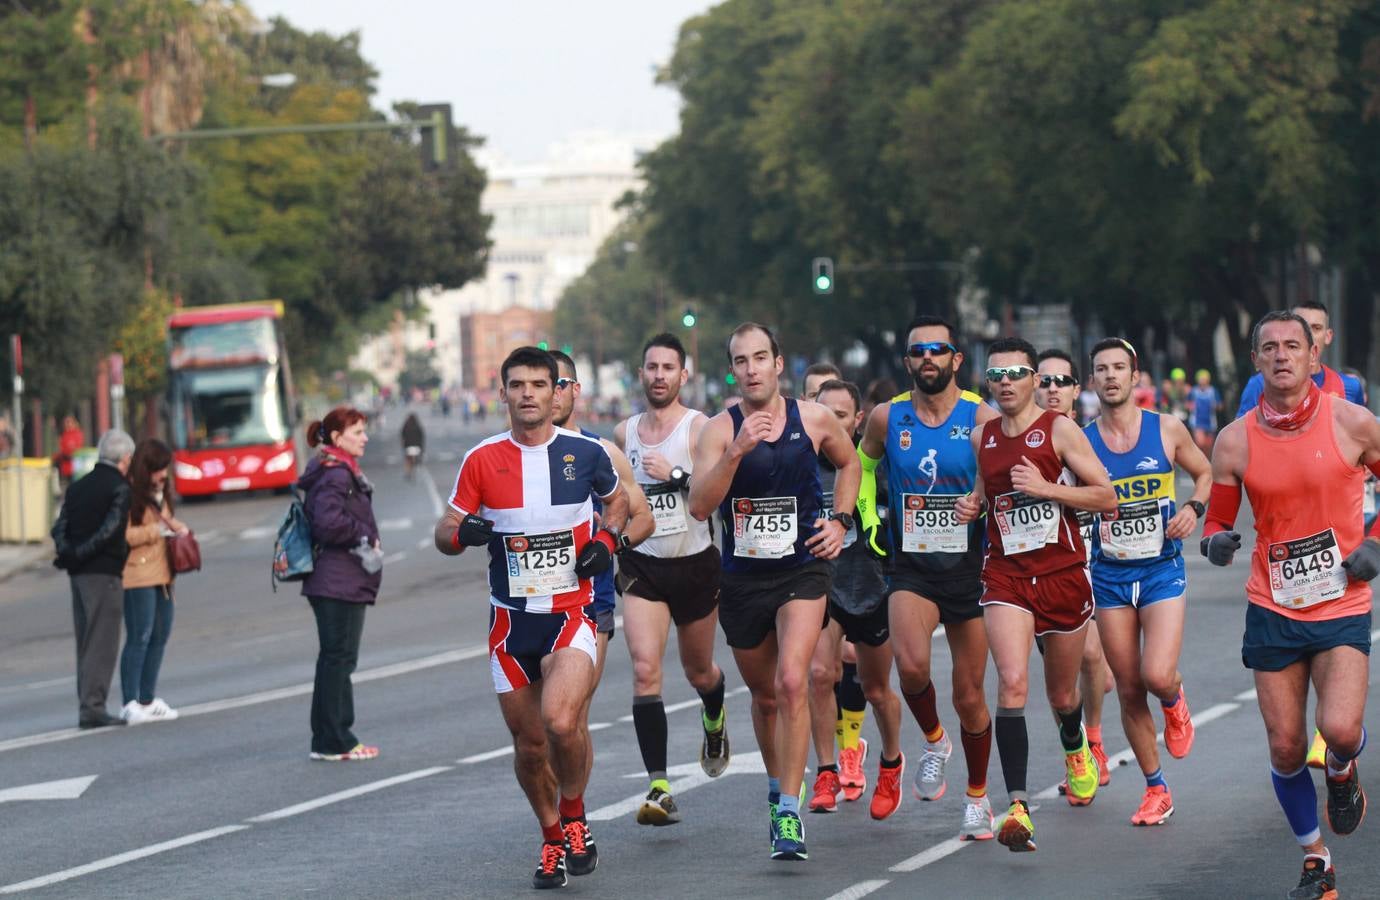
column 1306, row 571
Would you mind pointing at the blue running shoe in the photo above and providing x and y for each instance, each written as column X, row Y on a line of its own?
column 789, row 844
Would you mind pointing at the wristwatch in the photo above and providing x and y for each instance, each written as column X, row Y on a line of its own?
column 680, row 478
column 1198, row 507
column 843, row 518
column 620, row 540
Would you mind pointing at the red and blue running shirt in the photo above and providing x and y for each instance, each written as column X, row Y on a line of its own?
column 540, row 501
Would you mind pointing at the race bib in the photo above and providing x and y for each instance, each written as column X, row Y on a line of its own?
column 852, row 534
column 764, row 527
column 1307, row 571
column 665, row 500
column 1134, row 531
column 930, row 524
column 1024, row 522
column 540, row 564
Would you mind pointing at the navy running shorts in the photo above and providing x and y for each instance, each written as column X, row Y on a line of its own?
column 1273, row 642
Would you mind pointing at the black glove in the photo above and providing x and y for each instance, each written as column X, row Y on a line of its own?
column 1363, row 563
column 597, row 556
column 474, row 531
column 1221, row 547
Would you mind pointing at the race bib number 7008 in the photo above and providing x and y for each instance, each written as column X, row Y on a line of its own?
column 1025, row 523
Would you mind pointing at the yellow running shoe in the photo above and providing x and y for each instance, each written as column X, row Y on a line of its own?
column 1083, row 775
column 1317, row 754
column 1017, row 832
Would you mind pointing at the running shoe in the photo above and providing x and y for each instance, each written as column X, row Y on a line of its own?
column 1017, row 832
column 1104, row 769
column 551, row 870
column 358, row 753
column 1155, row 807
column 1319, row 881
column 135, row 713
column 929, row 780
column 1346, row 802
column 1178, row 727
column 582, row 857
column 886, row 797
column 789, row 843
column 658, row 809
column 851, row 774
column 1080, row 769
column 1317, row 752
column 827, row 790
column 714, row 752
column 977, row 820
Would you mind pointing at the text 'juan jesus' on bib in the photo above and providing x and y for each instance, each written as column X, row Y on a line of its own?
column 1306, row 571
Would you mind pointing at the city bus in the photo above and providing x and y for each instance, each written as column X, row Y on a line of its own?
column 231, row 402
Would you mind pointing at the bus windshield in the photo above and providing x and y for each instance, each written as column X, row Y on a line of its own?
column 228, row 407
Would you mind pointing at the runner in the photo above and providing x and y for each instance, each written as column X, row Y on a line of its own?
column 526, row 495
column 1309, row 612
column 759, row 461
column 925, row 437
column 847, row 711
column 1032, row 533
column 1137, row 564
column 673, row 577
column 1058, row 388
column 1206, row 403
column 1338, row 384
column 858, row 612
column 638, row 529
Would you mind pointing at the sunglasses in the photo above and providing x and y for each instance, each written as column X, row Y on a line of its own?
column 1014, row 373
column 933, row 348
column 563, row 383
column 1057, row 381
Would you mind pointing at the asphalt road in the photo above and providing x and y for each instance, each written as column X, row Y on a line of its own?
column 224, row 803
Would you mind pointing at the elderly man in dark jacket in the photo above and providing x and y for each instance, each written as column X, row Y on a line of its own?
column 90, row 541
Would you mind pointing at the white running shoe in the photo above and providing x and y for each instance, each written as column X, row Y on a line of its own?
column 977, row 820
column 136, row 713
column 160, row 711
column 929, row 780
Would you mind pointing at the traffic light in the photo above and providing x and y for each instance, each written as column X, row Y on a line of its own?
column 543, row 345
column 567, row 349
column 822, row 274
column 435, row 121
column 688, row 320
column 729, row 379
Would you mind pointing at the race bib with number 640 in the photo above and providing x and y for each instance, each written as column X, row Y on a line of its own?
column 665, row 500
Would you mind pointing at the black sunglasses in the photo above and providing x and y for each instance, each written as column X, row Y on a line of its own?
column 1059, row 380
column 933, row 348
column 563, row 383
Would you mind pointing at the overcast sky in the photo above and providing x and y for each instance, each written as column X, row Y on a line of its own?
column 521, row 73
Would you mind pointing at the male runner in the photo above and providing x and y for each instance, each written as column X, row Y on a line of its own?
column 759, row 468
column 639, row 527
column 1035, row 575
column 925, row 437
column 857, row 611
column 1309, row 612
column 1058, row 385
column 847, row 711
column 526, row 495
column 673, row 577
column 1338, row 384
column 1137, row 563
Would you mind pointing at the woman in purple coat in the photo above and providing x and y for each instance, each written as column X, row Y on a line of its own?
column 346, row 578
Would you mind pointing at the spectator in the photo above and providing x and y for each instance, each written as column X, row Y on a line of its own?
column 414, row 444
column 1144, row 392
column 346, row 579
column 69, row 442
column 148, row 582
column 1174, row 395
column 6, row 434
column 90, row 540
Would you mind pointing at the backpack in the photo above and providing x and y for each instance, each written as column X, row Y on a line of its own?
column 294, row 557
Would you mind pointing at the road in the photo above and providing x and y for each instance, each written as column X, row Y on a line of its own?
column 223, row 802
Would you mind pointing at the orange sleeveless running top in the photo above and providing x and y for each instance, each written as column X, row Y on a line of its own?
column 1307, row 504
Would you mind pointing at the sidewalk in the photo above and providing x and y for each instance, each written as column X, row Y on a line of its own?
column 15, row 558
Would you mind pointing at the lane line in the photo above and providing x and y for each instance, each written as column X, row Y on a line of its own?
column 437, row 508
column 485, row 756
column 119, row 859
column 861, row 889
column 395, row 524
column 299, row 808
column 395, row 557
column 38, row 685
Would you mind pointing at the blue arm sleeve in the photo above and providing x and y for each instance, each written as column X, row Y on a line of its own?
column 1250, row 395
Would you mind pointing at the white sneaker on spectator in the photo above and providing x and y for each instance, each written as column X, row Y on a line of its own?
column 136, row 713
column 160, row 711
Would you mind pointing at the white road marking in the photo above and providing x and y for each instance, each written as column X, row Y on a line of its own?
column 338, row 796
column 425, row 542
column 437, row 508
column 742, row 764
column 66, row 789
column 599, row 726
column 258, row 532
column 38, row 685
column 395, row 524
column 120, row 859
column 1246, row 696
column 861, row 889
column 394, row 557
column 486, row 756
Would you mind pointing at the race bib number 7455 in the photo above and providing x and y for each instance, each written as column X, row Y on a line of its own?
column 764, row 527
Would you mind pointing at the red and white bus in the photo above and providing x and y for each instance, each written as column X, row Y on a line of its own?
column 231, row 402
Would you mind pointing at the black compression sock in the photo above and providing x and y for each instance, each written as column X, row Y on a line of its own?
column 1071, row 729
column 831, row 767
column 1013, row 747
column 890, row 763
column 850, row 690
column 649, row 721
column 713, row 700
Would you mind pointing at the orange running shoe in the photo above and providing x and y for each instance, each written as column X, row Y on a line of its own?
column 1155, row 807
column 851, row 774
column 886, row 797
column 1178, row 727
column 1104, row 771
column 825, row 797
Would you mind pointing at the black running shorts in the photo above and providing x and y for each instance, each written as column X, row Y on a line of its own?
column 689, row 585
column 748, row 603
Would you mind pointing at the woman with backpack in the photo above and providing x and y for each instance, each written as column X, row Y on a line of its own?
column 345, row 579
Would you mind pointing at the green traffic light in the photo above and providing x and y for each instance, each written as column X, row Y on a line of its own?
column 688, row 320
column 730, row 379
column 823, row 282
column 542, row 345
column 567, row 349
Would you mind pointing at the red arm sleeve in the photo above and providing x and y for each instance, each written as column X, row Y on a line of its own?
column 1223, row 504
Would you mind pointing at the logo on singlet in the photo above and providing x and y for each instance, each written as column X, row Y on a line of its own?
column 929, row 467
column 569, row 470
column 991, row 442
column 1149, row 464
column 1035, row 438
column 905, row 439
column 960, row 432
column 633, row 457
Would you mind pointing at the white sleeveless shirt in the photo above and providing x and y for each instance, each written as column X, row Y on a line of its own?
column 677, row 532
